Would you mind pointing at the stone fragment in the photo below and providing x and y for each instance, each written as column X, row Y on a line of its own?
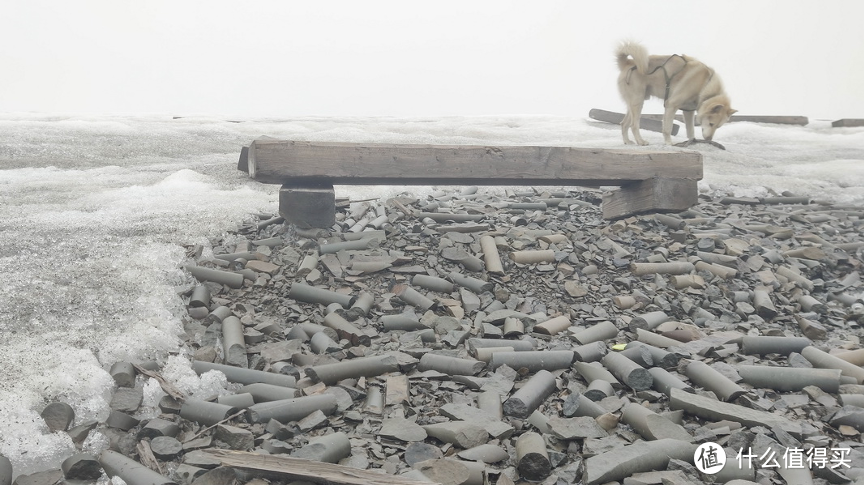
column 127, row 400
column 235, row 438
column 403, row 430
column 217, row 476
column 443, row 471
column 58, row 416
column 569, row 429
column 82, row 466
column 418, row 451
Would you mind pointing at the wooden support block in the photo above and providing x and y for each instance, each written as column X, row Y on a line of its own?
column 308, row 205
column 848, row 122
column 652, row 195
column 243, row 162
column 646, row 122
column 303, row 163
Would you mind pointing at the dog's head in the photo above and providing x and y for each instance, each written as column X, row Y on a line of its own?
column 712, row 114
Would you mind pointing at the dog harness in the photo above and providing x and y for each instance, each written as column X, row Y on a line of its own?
column 665, row 74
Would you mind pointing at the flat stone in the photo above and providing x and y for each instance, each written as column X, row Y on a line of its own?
column 850, row 416
column 48, row 477
column 127, row 400
column 418, row 451
column 463, row 412
column 714, row 410
column 443, row 471
column 641, row 456
column 470, row 301
column 403, row 430
column 262, row 267
column 574, row 289
column 236, row 438
column 79, row 433
column 314, row 420
column 201, row 459
column 576, row 428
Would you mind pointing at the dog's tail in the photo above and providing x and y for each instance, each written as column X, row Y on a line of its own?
column 636, row 51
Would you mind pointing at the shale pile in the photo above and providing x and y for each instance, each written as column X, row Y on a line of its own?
column 470, row 338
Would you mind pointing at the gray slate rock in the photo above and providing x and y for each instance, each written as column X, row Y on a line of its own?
column 402, row 430
column 419, row 451
column 127, row 400
column 58, row 416
column 576, row 428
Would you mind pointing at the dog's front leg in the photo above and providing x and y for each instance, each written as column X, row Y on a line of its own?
column 668, row 117
column 688, row 122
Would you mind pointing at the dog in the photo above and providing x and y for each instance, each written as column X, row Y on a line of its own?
column 682, row 82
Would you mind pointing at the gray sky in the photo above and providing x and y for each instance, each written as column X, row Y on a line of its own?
column 409, row 58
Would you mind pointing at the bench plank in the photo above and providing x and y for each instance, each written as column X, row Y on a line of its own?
column 297, row 162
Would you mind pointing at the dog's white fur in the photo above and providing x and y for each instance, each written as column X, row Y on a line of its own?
column 692, row 86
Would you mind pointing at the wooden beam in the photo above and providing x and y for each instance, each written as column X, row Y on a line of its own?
column 299, row 162
column 654, row 195
column 778, row 120
column 645, row 121
column 306, row 470
column 848, row 122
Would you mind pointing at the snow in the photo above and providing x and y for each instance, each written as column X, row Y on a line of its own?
column 95, row 212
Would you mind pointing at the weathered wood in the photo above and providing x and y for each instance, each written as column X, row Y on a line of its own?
column 848, row 122
column 652, row 195
column 305, row 470
column 646, row 122
column 302, row 162
column 777, row 120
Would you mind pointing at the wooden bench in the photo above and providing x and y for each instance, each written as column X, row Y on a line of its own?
column 650, row 180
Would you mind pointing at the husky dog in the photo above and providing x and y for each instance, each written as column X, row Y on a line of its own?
column 681, row 81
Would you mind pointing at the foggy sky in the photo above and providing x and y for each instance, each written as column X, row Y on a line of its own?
column 401, row 58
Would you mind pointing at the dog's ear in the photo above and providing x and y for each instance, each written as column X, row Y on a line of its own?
column 732, row 112
column 716, row 108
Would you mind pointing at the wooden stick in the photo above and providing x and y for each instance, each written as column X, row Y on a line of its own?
column 166, row 386
column 229, row 418
column 147, row 458
column 299, row 469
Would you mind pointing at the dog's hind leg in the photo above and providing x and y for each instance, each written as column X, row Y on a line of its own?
column 688, row 122
column 625, row 125
column 668, row 118
column 635, row 117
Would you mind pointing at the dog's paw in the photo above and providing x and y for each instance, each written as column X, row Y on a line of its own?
column 643, row 143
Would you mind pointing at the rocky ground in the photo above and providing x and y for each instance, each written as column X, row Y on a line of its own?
column 477, row 338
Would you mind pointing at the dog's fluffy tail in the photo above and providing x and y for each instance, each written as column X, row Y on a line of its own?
column 636, row 51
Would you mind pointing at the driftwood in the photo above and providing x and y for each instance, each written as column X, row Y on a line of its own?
column 306, row 470
column 847, row 122
column 776, row 120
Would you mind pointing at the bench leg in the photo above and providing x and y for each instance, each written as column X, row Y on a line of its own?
column 308, row 205
column 652, row 195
